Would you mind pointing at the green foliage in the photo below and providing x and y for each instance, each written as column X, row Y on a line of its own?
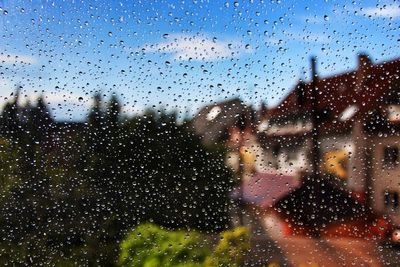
column 9, row 169
column 151, row 246
column 80, row 188
column 231, row 249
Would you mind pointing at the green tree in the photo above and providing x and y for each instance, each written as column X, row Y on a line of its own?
column 170, row 176
column 113, row 112
column 96, row 114
column 10, row 123
column 10, row 175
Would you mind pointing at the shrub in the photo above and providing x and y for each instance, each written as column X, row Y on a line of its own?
column 151, row 246
column 231, row 249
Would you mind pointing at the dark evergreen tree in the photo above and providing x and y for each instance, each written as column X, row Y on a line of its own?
column 113, row 112
column 40, row 121
column 11, row 127
column 96, row 114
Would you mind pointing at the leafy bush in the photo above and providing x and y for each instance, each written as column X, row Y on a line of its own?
column 231, row 249
column 151, row 246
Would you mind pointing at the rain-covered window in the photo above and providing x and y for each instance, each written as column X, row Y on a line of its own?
column 199, row 133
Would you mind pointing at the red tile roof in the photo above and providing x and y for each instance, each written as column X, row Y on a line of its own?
column 263, row 189
column 363, row 88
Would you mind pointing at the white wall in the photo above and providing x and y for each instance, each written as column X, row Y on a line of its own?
column 384, row 178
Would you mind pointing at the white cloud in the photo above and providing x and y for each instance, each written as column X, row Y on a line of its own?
column 308, row 37
column 292, row 36
column 198, row 47
column 17, row 59
column 49, row 97
column 386, row 11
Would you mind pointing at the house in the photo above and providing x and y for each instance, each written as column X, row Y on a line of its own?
column 229, row 123
column 217, row 122
column 358, row 115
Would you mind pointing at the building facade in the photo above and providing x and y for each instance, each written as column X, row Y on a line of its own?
column 358, row 132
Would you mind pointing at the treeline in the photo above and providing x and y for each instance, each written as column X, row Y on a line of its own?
column 71, row 191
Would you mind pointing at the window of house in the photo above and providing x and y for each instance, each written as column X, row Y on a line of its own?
column 387, row 198
column 391, row 199
column 391, row 156
column 276, row 149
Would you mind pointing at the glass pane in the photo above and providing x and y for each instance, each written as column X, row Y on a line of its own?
column 199, row 133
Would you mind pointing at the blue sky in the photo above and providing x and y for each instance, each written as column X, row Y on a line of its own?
column 183, row 54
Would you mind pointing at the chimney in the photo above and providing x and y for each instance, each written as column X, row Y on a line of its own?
column 364, row 64
column 364, row 61
column 300, row 94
